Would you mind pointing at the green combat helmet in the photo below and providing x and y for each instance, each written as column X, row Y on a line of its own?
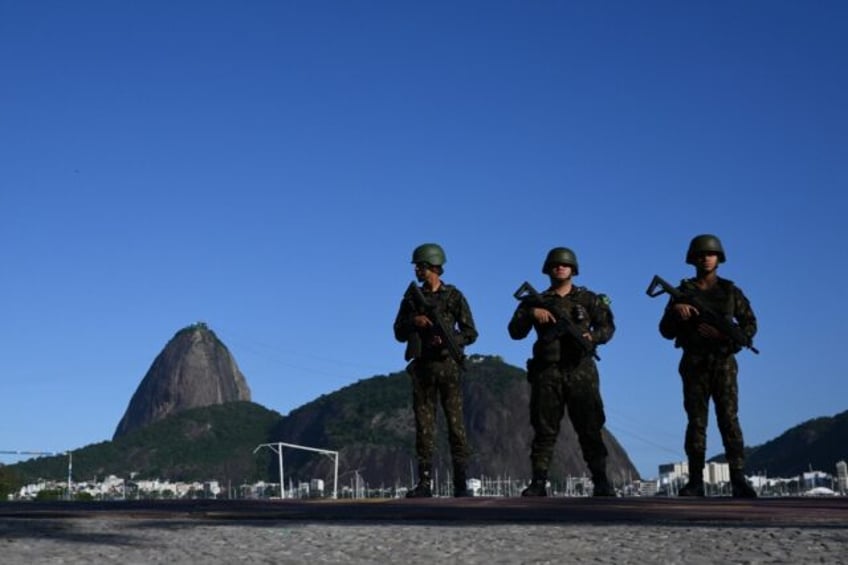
column 430, row 253
column 703, row 244
column 560, row 256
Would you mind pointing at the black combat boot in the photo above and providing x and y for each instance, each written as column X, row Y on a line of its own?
column 538, row 486
column 602, row 486
column 460, row 483
column 739, row 485
column 423, row 489
column 695, row 485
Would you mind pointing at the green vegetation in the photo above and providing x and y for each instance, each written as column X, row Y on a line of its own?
column 211, row 443
column 372, row 416
column 818, row 443
column 369, row 422
column 9, row 482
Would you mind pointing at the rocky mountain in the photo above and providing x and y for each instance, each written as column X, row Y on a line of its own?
column 369, row 423
column 372, row 426
column 194, row 369
column 191, row 419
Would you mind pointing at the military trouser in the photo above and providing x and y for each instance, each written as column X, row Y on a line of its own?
column 433, row 381
column 553, row 389
column 713, row 376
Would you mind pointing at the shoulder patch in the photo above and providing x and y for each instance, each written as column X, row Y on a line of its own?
column 604, row 299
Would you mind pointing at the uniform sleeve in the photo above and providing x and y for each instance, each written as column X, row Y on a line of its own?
column 467, row 332
column 744, row 314
column 669, row 323
column 521, row 323
column 403, row 326
column 603, row 324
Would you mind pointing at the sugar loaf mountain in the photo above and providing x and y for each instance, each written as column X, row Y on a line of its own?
column 194, row 370
column 192, row 419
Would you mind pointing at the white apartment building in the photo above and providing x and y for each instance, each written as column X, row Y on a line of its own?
column 673, row 475
column 842, row 477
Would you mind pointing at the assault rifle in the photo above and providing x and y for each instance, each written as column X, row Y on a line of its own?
column 563, row 327
column 432, row 310
column 724, row 324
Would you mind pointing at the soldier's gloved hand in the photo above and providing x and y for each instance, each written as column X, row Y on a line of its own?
column 709, row 332
column 685, row 311
column 422, row 321
column 542, row 316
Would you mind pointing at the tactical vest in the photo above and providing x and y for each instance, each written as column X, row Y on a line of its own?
column 576, row 306
column 721, row 299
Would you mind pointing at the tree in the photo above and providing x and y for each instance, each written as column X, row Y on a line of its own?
column 9, row 482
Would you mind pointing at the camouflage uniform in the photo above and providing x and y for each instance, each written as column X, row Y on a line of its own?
column 435, row 374
column 562, row 376
column 708, row 370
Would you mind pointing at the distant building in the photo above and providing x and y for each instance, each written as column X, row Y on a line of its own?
column 302, row 489
column 672, row 476
column 675, row 469
column 644, row 488
column 814, row 479
column 716, row 473
column 842, row 477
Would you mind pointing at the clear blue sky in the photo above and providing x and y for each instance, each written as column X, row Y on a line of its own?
column 268, row 167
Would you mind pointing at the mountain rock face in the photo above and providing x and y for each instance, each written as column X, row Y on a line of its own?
column 193, row 370
column 372, row 426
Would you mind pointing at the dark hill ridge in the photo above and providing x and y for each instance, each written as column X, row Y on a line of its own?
column 194, row 369
column 819, row 444
column 210, row 443
column 164, row 434
column 371, row 424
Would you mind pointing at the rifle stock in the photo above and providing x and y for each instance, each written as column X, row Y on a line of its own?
column 432, row 311
column 723, row 324
column 563, row 327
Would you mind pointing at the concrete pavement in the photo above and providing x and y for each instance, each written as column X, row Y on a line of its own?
column 477, row 530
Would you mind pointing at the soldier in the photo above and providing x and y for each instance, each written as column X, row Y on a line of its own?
column 435, row 373
column 708, row 367
column 562, row 372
